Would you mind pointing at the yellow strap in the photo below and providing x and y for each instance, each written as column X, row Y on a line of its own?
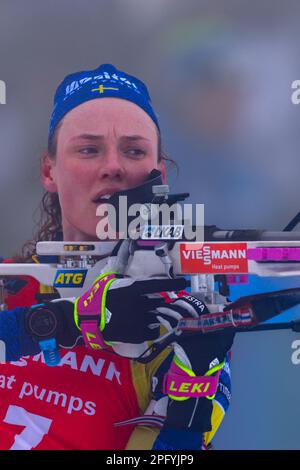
column 188, row 371
column 212, row 371
column 43, row 289
column 35, row 259
column 102, row 318
column 183, row 366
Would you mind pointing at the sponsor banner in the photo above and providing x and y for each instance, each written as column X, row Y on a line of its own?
column 158, row 232
column 70, row 278
column 213, row 258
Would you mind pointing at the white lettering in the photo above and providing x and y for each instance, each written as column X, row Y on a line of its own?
column 106, row 227
column 206, row 254
column 295, row 98
column 2, row 352
column 90, row 408
column 6, row 382
column 186, row 254
column 2, row 92
column 84, row 80
column 111, row 372
column 118, row 460
column 57, row 396
column 72, row 405
column 89, row 363
column 26, row 390
column 39, row 358
column 21, row 363
column 133, row 210
column 35, row 427
column 69, row 359
column 295, row 358
column 38, row 396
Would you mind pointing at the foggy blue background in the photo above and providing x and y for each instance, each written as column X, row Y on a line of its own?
column 220, row 75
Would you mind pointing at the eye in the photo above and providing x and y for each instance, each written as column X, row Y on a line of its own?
column 135, row 152
column 88, row 151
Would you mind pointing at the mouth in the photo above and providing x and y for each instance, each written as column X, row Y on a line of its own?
column 105, row 195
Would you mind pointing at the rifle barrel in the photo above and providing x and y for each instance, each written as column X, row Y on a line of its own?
column 254, row 235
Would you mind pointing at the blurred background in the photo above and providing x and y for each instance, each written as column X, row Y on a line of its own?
column 220, row 75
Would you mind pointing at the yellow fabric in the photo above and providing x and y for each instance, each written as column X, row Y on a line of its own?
column 42, row 288
column 209, row 373
column 183, row 367
column 216, row 419
column 46, row 289
column 214, row 369
column 143, row 437
column 35, row 259
column 142, row 376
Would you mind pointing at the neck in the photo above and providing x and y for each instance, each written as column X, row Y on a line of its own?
column 104, row 248
column 73, row 234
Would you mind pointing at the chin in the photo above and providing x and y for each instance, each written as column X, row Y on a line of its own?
column 87, row 233
column 91, row 236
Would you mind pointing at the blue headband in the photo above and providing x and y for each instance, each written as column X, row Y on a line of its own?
column 105, row 81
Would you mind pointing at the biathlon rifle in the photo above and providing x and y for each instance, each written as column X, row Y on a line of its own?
column 226, row 257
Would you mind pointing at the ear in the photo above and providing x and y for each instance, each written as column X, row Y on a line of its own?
column 47, row 173
column 162, row 169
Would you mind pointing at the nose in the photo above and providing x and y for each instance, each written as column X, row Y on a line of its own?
column 111, row 167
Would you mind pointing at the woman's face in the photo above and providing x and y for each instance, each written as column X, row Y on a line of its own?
column 103, row 146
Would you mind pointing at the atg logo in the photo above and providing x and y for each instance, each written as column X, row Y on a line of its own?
column 70, row 278
column 2, row 92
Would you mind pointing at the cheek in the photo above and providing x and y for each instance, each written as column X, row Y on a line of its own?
column 137, row 172
column 74, row 179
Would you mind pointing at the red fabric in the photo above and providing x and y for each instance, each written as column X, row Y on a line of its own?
column 26, row 296
column 79, row 401
column 170, row 299
column 72, row 406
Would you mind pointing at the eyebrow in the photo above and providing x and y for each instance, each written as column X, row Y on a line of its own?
column 102, row 137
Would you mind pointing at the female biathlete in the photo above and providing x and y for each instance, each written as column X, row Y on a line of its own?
column 104, row 137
